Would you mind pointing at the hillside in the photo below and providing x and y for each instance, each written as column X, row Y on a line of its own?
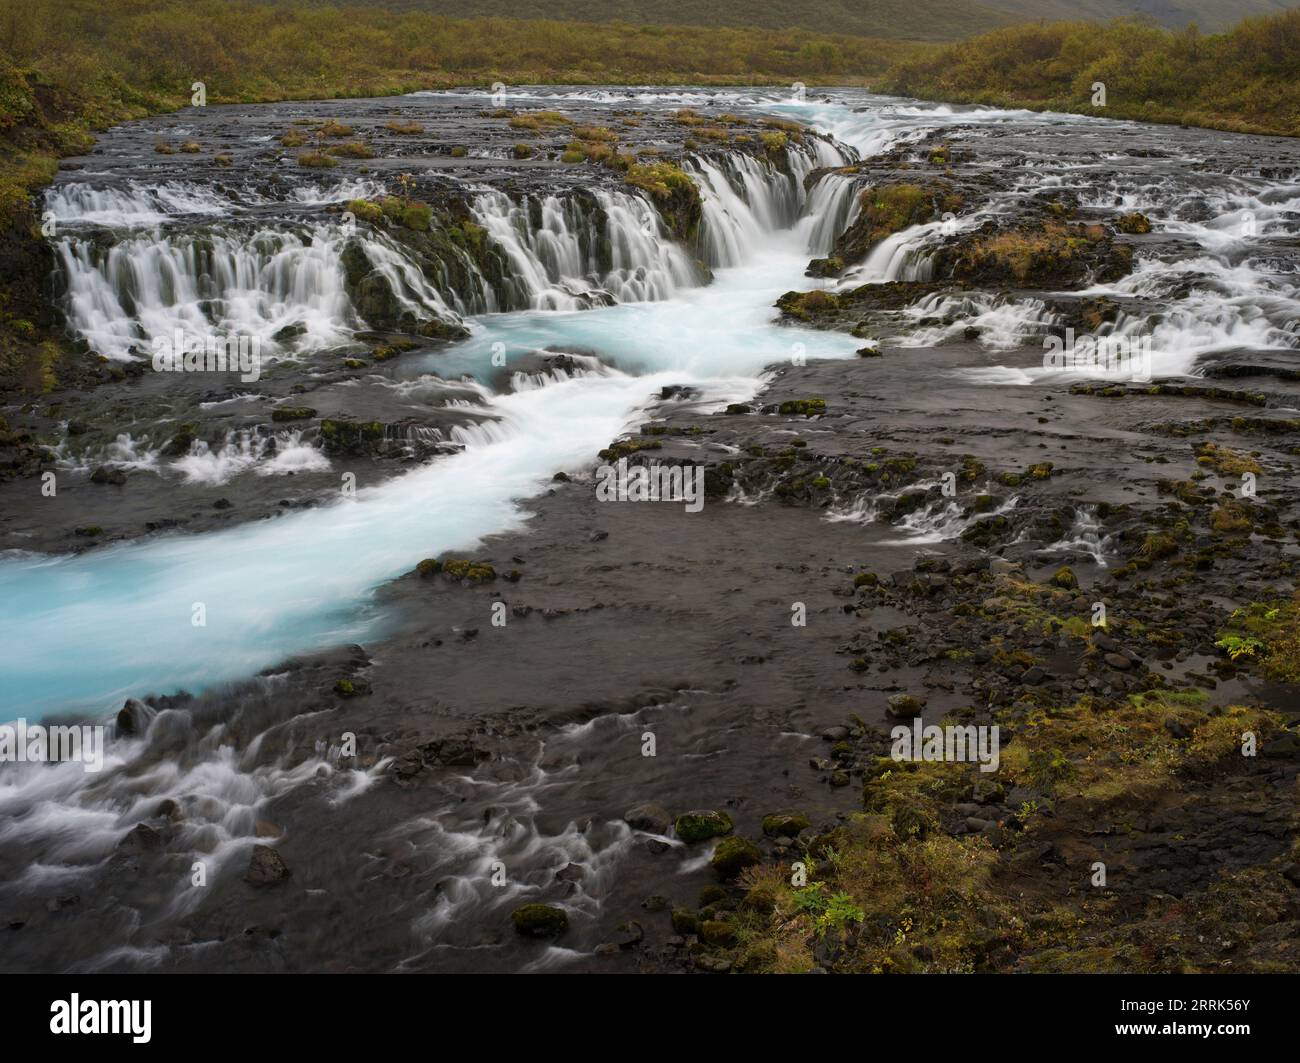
column 922, row 20
column 1247, row 80
column 1209, row 15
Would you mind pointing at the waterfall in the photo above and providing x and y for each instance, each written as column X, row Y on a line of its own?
column 145, row 286
column 832, row 207
column 574, row 252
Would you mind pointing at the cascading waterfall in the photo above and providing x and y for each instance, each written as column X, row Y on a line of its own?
column 574, row 252
column 1084, row 535
column 833, row 206
column 146, row 286
column 746, row 201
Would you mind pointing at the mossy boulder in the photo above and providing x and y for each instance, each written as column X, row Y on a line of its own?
column 904, row 706
column 292, row 413
column 539, row 920
column 473, row 571
column 350, row 437
column 785, row 824
column 1065, row 578
column 700, row 825
column 733, row 855
column 673, row 193
column 802, row 408
column 1135, row 224
column 717, row 933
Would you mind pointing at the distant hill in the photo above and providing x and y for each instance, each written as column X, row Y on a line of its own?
column 921, row 20
column 1211, row 16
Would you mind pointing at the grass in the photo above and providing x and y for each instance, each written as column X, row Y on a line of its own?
column 898, row 893
column 1266, row 634
column 1246, row 80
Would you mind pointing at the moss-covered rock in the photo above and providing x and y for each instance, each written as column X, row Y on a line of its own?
column 539, row 920
column 700, row 825
column 1064, row 578
column 718, row 934
column 733, row 855
column 785, row 824
column 292, row 413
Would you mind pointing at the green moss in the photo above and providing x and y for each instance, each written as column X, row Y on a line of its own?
column 364, row 210
column 733, row 855
column 701, row 825
column 292, row 413
column 539, row 920
column 474, row 572
column 785, row 824
column 1135, row 223
column 627, row 447
column 1065, row 578
column 802, row 407
column 353, row 149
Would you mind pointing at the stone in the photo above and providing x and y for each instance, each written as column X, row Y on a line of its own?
column 700, row 825
column 266, row 867
column 539, row 920
column 141, row 838
column 785, row 824
column 902, row 706
column 653, row 819
column 733, row 855
column 133, row 717
column 571, row 873
column 717, row 933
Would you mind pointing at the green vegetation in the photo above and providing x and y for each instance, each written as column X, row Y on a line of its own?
column 930, row 20
column 895, row 890
column 1246, row 80
column 1267, row 634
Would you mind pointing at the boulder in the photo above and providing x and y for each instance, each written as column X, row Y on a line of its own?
column 701, row 825
column 539, row 920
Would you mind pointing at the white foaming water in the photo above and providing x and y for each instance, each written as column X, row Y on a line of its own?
column 579, row 257
column 146, row 287
column 277, row 455
column 489, row 824
column 66, row 823
column 1002, row 323
column 117, row 621
column 135, row 205
column 1084, row 536
column 131, row 206
column 745, row 202
column 832, row 207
